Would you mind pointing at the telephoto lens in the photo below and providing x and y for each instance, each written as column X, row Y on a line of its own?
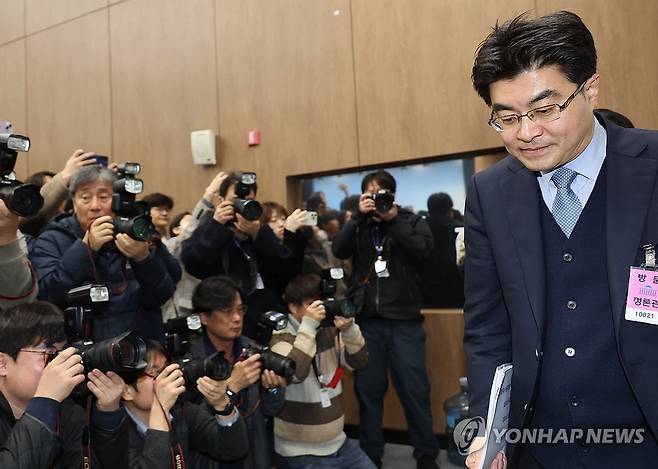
column 282, row 366
column 216, row 367
column 343, row 307
column 22, row 199
column 250, row 209
column 123, row 354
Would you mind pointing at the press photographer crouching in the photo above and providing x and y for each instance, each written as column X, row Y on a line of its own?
column 92, row 246
column 256, row 391
column 166, row 433
column 234, row 242
column 308, row 433
column 40, row 427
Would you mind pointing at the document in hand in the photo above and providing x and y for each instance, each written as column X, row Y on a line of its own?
column 498, row 415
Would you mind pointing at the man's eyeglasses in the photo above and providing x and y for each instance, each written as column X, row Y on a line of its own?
column 48, row 355
column 540, row 115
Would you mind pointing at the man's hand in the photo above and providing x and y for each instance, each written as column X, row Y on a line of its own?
column 107, row 388
column 388, row 216
column 245, row 373
column 224, row 212
column 76, row 161
column 366, row 204
column 270, row 379
column 212, row 191
column 168, row 386
column 316, row 311
column 100, row 232
column 131, row 248
column 342, row 323
column 296, row 220
column 8, row 225
column 250, row 228
column 61, row 375
column 214, row 391
column 476, row 453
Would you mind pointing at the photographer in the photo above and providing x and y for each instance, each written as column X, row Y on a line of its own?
column 163, row 433
column 18, row 282
column 83, row 248
column 230, row 243
column 257, row 393
column 387, row 243
column 39, row 427
column 309, row 431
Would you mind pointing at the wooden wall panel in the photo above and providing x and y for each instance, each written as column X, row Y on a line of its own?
column 68, row 91
column 413, row 67
column 624, row 33
column 446, row 362
column 285, row 67
column 42, row 14
column 164, row 86
column 12, row 20
column 12, row 95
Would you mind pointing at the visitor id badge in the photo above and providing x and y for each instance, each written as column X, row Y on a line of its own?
column 259, row 282
column 642, row 301
column 325, row 400
column 381, row 268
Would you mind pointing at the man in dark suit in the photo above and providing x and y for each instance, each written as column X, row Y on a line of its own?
column 551, row 234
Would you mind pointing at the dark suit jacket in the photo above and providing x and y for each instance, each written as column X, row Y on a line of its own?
column 505, row 273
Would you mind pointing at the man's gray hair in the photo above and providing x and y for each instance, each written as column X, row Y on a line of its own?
column 90, row 174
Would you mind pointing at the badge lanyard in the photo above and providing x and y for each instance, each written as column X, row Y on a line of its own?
column 378, row 242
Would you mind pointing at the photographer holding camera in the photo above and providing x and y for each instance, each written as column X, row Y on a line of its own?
column 165, row 433
column 308, row 433
column 387, row 244
column 85, row 248
column 40, row 428
column 234, row 242
column 256, row 392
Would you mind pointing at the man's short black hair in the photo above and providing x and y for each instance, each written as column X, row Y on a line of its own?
column 383, row 178
column 231, row 180
column 152, row 348
column 38, row 178
column 301, row 288
column 158, row 200
column 213, row 293
column 439, row 203
column 525, row 44
column 29, row 324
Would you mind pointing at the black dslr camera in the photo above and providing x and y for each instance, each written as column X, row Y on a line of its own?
column 132, row 218
column 383, row 200
column 250, row 209
column 178, row 334
column 22, row 199
column 334, row 307
column 269, row 322
column 124, row 354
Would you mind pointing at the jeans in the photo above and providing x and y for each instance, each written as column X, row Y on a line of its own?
column 348, row 456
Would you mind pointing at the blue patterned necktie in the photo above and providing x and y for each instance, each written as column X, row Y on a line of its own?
column 566, row 206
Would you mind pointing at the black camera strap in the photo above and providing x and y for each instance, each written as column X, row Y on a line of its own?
column 316, row 363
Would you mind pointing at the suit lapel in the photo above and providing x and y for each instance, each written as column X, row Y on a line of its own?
column 630, row 183
column 521, row 196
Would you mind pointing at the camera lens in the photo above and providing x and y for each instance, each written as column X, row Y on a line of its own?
column 282, row 366
column 142, row 228
column 250, row 209
column 22, row 199
column 122, row 354
column 214, row 367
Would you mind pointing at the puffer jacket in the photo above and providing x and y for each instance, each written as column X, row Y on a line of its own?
column 63, row 261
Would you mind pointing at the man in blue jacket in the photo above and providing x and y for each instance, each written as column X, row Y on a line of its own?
column 81, row 248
